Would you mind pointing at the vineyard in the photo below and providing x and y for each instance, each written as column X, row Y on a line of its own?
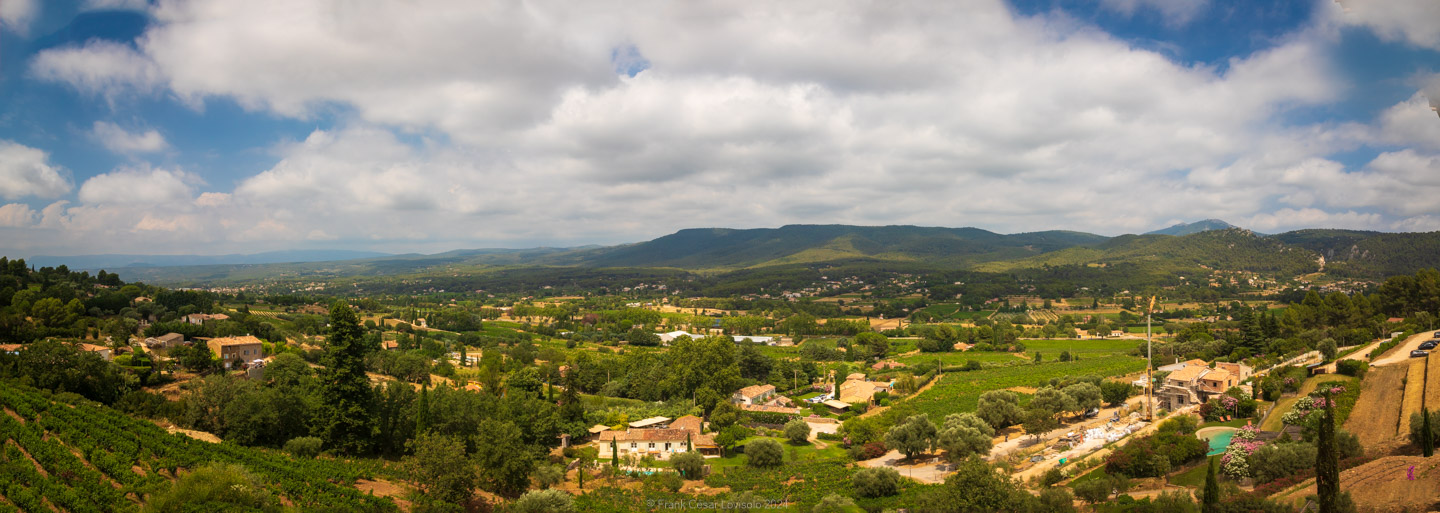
column 960, row 391
column 82, row 458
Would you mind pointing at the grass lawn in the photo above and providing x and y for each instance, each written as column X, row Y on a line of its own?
column 1283, row 405
column 793, row 453
column 1194, row 476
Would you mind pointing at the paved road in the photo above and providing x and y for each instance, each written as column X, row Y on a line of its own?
column 1362, row 354
column 1402, row 353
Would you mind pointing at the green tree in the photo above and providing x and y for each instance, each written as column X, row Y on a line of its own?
column 797, row 432
column 876, row 482
column 764, row 453
column 1038, row 422
column 911, row 437
column 1210, row 502
column 439, row 468
column 964, row 434
column 1115, row 392
column 1327, row 461
column 504, row 460
column 544, row 501
column 1083, row 396
column 1327, row 348
column 1000, row 409
column 690, row 464
column 215, row 487
column 975, row 487
column 548, row 476
column 1050, row 400
column 345, row 421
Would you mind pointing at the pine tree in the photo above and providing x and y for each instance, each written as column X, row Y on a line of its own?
column 1327, row 462
column 345, row 419
column 1210, row 502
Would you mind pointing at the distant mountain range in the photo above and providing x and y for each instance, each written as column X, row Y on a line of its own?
column 1195, row 227
column 1209, row 244
column 112, row 261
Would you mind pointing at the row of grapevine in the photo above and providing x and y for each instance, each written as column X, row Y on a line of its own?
column 117, row 444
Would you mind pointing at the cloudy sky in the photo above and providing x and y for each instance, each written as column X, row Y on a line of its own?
column 206, row 127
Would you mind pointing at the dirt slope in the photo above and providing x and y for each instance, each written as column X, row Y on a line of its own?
column 1381, row 485
column 1376, row 416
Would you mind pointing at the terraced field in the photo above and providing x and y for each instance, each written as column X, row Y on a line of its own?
column 87, row 458
column 1376, row 416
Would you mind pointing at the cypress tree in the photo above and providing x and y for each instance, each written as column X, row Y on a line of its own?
column 422, row 411
column 614, row 453
column 1210, row 501
column 1427, row 438
column 1327, row 462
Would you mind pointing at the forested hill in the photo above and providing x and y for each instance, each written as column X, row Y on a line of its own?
column 1369, row 254
column 713, row 248
column 1355, row 254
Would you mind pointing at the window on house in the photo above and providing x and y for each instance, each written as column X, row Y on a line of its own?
column 632, row 445
column 652, row 445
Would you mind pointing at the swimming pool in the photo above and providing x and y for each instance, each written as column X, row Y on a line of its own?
column 1219, row 441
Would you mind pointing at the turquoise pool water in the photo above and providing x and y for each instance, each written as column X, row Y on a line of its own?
column 1219, row 442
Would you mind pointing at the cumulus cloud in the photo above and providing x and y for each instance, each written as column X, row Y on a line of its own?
column 615, row 121
column 26, row 171
column 119, row 140
column 139, row 186
column 16, row 215
column 16, row 15
column 1411, row 22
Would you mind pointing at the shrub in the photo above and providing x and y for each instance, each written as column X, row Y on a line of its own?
column 544, row 501
column 215, row 487
column 1052, row 476
column 690, row 464
column 764, row 453
column 1417, row 423
column 833, row 504
column 797, row 432
column 304, row 446
column 665, row 481
column 1094, row 491
column 876, row 482
column 1356, row 368
column 549, row 475
column 1275, row 461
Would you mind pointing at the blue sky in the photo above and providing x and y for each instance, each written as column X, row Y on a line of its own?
column 215, row 127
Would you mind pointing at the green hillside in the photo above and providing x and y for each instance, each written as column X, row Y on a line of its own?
column 1230, row 249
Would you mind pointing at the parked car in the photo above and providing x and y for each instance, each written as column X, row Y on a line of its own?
column 1418, row 353
column 1092, row 413
column 1429, row 344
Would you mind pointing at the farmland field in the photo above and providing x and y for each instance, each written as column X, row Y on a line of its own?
column 1049, row 350
column 958, row 392
column 1377, row 414
column 92, row 458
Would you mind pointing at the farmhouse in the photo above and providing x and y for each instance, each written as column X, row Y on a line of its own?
column 103, row 351
column 200, row 318
column 1194, row 382
column 754, row 394
column 167, row 340
column 235, row 350
column 660, row 444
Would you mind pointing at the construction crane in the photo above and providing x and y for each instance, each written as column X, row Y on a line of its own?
column 1149, row 367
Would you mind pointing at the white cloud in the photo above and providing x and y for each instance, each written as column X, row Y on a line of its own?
column 508, row 124
column 1408, row 21
column 116, row 5
column 16, row 215
column 1287, row 219
column 26, row 171
column 1175, row 12
column 99, row 67
column 140, row 186
column 16, row 15
column 119, row 140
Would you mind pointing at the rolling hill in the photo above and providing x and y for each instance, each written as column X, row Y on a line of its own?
column 713, row 251
column 1195, row 227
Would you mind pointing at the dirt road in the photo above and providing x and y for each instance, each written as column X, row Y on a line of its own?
column 1402, row 353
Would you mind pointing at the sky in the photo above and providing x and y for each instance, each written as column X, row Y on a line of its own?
column 214, row 127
